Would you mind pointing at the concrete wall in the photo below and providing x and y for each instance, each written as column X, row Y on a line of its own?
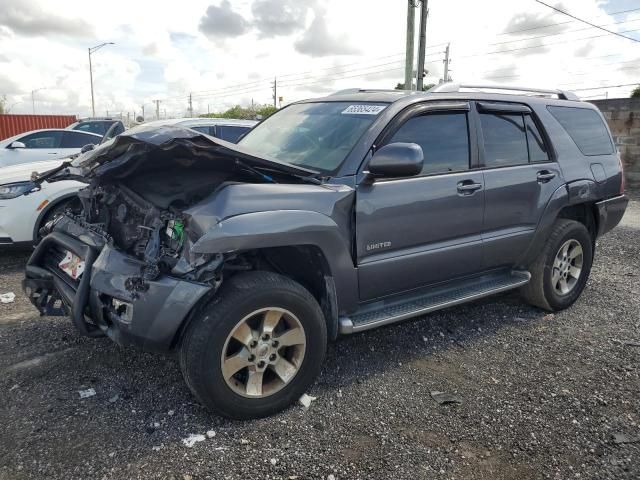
column 623, row 117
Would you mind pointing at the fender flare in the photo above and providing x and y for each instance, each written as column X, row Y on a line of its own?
column 573, row 193
column 281, row 228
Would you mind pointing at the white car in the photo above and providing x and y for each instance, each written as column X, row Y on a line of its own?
column 21, row 216
column 41, row 145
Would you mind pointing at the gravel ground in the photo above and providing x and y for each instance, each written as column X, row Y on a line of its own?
column 543, row 396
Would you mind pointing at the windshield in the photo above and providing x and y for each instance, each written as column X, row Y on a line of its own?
column 318, row 136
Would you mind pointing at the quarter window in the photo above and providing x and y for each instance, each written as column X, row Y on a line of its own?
column 444, row 138
column 586, row 128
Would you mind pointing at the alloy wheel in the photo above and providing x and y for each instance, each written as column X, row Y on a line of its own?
column 263, row 352
column 567, row 267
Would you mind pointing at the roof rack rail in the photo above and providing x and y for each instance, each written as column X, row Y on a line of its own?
column 365, row 90
column 450, row 87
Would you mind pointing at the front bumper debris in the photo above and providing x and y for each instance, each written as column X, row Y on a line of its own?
column 111, row 297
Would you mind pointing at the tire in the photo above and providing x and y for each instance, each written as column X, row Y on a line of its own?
column 209, row 346
column 56, row 209
column 545, row 290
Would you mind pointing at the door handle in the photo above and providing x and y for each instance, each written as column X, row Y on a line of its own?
column 467, row 187
column 545, row 175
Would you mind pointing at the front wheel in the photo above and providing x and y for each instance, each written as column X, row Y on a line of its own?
column 562, row 268
column 256, row 347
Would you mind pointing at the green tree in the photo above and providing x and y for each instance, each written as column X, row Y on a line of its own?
column 635, row 93
column 243, row 113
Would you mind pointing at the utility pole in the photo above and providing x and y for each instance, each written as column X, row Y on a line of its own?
column 446, row 64
column 411, row 26
column 91, row 50
column 275, row 92
column 143, row 111
column 157, row 102
column 190, row 106
column 424, row 12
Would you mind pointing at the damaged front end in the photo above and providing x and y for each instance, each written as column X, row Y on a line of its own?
column 125, row 267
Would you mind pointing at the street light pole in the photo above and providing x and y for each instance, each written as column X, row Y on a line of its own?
column 91, row 50
column 33, row 98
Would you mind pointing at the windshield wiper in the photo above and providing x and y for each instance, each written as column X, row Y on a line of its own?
column 304, row 178
column 255, row 171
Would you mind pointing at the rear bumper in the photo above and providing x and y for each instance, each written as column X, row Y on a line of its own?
column 110, row 298
column 610, row 212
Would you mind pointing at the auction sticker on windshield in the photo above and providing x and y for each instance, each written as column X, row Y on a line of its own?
column 72, row 265
column 363, row 109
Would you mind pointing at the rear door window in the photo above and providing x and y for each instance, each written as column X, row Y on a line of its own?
column 586, row 128
column 537, row 148
column 505, row 140
column 230, row 133
column 444, row 138
column 78, row 140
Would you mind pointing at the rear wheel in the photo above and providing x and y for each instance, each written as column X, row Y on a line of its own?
column 255, row 348
column 562, row 268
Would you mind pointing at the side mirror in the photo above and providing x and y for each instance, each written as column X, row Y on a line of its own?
column 397, row 160
column 88, row 147
column 17, row 144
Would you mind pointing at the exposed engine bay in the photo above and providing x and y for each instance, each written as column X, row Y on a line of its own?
column 142, row 184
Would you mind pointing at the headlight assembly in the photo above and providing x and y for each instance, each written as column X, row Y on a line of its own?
column 13, row 190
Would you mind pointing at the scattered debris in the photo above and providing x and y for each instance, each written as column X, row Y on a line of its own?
column 305, row 400
column 331, row 476
column 273, row 461
column 157, row 448
column 444, row 398
column 244, row 441
column 114, row 399
column 8, row 297
column 211, row 434
column 14, row 387
column 89, row 392
column 620, row 438
column 192, row 439
column 187, row 477
column 171, row 412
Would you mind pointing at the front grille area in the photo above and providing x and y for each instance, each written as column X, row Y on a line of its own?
column 52, row 258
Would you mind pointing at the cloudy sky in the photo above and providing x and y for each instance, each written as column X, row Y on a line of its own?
column 228, row 52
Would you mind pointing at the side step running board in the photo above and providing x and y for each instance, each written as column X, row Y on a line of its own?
column 436, row 298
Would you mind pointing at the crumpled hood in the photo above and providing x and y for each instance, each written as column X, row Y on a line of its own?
column 122, row 154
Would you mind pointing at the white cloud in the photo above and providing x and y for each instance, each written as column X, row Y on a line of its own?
column 312, row 46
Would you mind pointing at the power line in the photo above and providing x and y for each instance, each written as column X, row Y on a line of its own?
column 588, row 23
column 560, row 33
column 539, row 46
column 564, row 23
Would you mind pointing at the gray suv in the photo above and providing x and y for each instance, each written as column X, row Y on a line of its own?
column 332, row 216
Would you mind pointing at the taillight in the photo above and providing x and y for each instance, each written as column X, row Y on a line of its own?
column 621, row 173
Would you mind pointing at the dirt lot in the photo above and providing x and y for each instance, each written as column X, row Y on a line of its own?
column 543, row 396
